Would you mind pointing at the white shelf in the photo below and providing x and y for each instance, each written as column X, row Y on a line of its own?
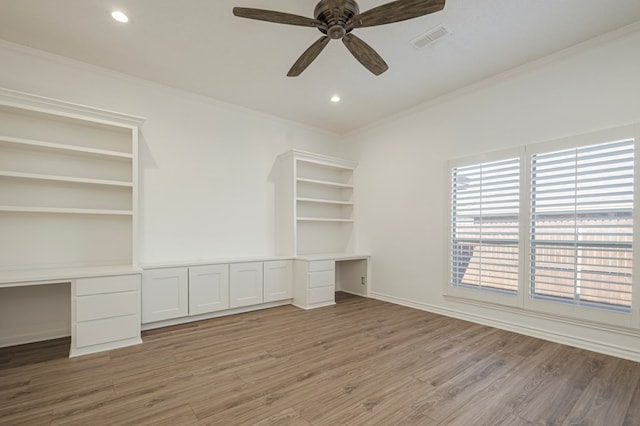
column 324, row 201
column 324, row 164
column 36, row 176
column 64, row 147
column 333, row 256
column 323, row 182
column 20, row 209
column 322, row 219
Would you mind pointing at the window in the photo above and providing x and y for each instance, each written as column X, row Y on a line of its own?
column 582, row 225
column 549, row 228
column 484, row 224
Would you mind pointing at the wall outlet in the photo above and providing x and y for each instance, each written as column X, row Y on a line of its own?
column 363, row 281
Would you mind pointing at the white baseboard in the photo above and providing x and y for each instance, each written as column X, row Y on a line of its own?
column 354, row 293
column 632, row 354
column 32, row 337
column 184, row 320
column 74, row 352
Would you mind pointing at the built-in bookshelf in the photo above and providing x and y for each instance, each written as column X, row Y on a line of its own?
column 68, row 185
column 317, row 203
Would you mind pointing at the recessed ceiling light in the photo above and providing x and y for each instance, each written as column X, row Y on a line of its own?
column 335, row 99
column 119, row 16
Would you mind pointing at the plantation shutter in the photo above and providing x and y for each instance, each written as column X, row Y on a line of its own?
column 485, row 225
column 581, row 225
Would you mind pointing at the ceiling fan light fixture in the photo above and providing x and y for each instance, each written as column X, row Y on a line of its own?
column 120, row 16
column 336, row 19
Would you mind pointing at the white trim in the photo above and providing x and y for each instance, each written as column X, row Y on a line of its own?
column 635, row 278
column 24, row 100
column 632, row 354
column 74, row 352
column 325, row 160
column 319, row 305
column 609, row 134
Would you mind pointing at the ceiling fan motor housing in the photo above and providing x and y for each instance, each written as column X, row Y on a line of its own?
column 335, row 14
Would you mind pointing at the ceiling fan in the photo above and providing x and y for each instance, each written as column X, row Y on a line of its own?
column 337, row 18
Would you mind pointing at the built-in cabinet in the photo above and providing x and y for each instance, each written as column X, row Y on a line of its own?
column 165, row 294
column 316, row 221
column 317, row 204
column 315, row 283
column 246, row 287
column 68, row 218
column 105, row 313
column 278, row 280
column 69, row 213
column 196, row 290
column 208, row 289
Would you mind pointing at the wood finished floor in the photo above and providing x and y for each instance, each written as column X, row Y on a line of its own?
column 361, row 362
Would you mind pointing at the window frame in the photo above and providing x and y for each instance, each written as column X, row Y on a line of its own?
column 484, row 295
column 583, row 312
column 523, row 299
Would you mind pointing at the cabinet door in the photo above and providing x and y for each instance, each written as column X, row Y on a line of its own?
column 278, row 284
column 208, row 289
column 246, row 284
column 164, row 294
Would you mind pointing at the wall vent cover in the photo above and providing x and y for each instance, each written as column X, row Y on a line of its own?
column 424, row 40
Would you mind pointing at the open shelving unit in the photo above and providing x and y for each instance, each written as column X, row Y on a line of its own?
column 317, row 204
column 68, row 185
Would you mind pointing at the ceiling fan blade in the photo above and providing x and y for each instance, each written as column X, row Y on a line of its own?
column 365, row 54
column 308, row 56
column 277, row 17
column 395, row 11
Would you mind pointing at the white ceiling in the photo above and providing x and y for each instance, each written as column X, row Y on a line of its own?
column 200, row 47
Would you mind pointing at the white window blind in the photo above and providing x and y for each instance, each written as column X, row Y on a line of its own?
column 485, row 225
column 581, row 225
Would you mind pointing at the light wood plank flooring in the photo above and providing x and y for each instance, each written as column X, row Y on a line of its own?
column 361, row 362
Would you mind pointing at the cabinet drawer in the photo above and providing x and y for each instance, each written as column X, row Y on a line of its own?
column 321, row 294
column 322, row 265
column 107, row 330
column 322, row 278
column 102, row 306
column 100, row 285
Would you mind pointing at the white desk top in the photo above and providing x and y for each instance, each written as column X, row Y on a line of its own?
column 307, row 257
column 24, row 277
column 333, row 256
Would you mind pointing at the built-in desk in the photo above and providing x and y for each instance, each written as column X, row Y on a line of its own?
column 99, row 307
column 318, row 276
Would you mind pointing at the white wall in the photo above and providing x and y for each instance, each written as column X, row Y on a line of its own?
column 403, row 171
column 206, row 167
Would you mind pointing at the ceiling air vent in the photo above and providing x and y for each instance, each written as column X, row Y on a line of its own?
column 423, row 40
